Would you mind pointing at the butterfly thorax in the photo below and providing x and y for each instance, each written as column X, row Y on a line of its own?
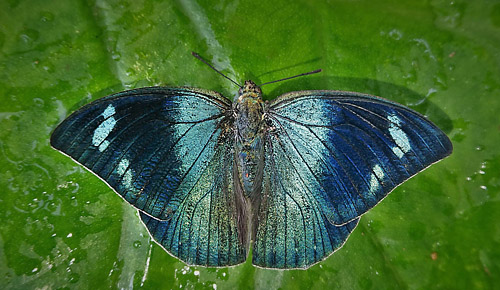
column 249, row 132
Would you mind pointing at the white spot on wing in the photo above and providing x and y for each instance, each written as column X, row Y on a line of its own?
column 399, row 136
column 102, row 132
column 373, row 184
column 378, row 174
column 123, row 169
column 110, row 111
column 123, row 166
column 378, row 171
column 126, row 172
column 103, row 145
column 127, row 179
column 397, row 151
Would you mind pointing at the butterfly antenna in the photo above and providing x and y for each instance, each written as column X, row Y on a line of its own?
column 207, row 63
column 304, row 74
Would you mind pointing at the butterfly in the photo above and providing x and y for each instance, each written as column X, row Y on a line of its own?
column 210, row 178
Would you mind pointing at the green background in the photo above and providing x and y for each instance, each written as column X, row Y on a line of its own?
column 61, row 227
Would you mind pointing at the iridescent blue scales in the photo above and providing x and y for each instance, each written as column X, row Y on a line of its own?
column 211, row 178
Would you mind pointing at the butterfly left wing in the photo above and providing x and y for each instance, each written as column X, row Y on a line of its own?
column 206, row 229
column 159, row 149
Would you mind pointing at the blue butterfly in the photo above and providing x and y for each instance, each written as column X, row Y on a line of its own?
column 209, row 176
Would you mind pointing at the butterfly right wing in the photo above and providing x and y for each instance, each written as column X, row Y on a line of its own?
column 330, row 157
column 291, row 230
column 354, row 149
column 160, row 149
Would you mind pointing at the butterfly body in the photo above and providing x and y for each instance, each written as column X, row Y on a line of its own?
column 209, row 176
column 249, row 128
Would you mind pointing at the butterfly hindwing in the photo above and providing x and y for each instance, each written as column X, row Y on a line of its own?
column 203, row 231
column 292, row 231
column 353, row 149
column 156, row 147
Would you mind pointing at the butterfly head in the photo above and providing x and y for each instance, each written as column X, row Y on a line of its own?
column 250, row 89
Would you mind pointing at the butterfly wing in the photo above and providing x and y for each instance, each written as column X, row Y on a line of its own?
column 330, row 157
column 291, row 229
column 204, row 231
column 355, row 148
column 161, row 150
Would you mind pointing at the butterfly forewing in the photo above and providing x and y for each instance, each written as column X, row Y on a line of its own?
column 351, row 149
column 156, row 147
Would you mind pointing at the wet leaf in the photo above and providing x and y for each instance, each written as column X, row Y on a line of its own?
column 62, row 227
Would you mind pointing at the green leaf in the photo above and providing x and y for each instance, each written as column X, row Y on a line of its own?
column 62, row 227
